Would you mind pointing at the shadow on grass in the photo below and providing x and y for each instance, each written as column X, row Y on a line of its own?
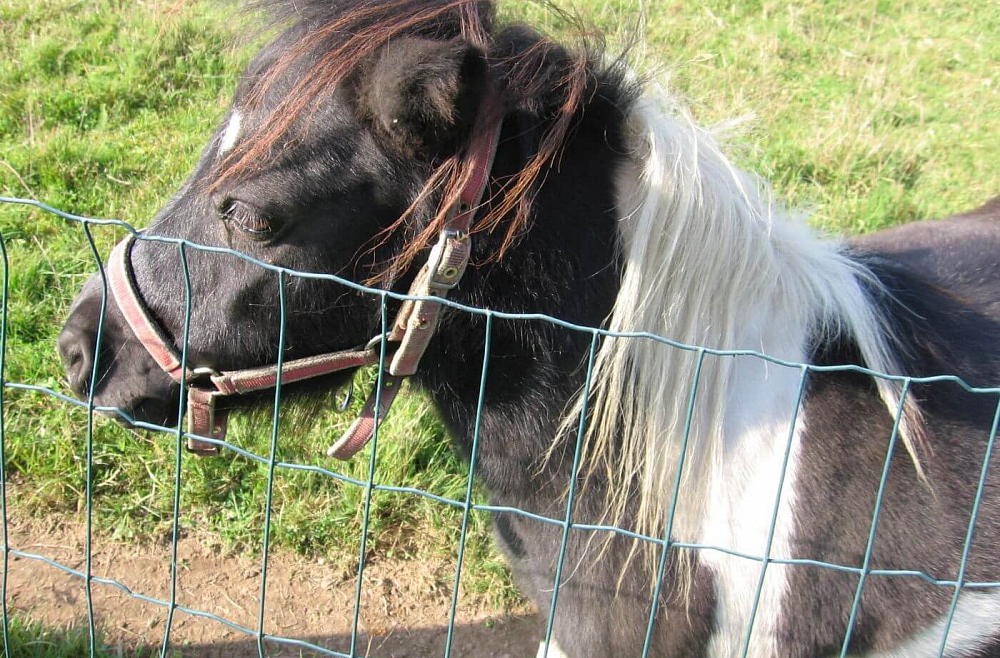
column 504, row 637
column 508, row 637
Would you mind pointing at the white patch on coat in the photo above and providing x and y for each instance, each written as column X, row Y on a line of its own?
column 711, row 260
column 744, row 492
column 976, row 621
column 554, row 651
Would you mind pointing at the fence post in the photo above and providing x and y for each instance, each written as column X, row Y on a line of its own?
column 668, row 530
column 270, row 463
column 960, row 580
column 179, row 451
column 3, row 443
column 866, row 566
column 571, row 498
column 468, row 490
column 91, row 627
column 370, row 483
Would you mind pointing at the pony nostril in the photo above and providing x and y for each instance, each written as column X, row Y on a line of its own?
column 75, row 348
column 72, row 358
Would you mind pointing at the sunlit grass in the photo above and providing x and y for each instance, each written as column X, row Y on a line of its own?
column 30, row 639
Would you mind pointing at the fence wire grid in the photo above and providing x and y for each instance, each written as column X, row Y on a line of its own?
column 664, row 542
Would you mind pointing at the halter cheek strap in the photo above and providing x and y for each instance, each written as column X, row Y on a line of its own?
column 417, row 319
column 412, row 328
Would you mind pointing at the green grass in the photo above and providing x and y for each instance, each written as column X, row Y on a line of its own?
column 869, row 114
column 29, row 639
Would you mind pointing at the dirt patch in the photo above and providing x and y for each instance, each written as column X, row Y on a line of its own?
column 404, row 605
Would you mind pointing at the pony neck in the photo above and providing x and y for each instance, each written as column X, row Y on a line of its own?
column 710, row 261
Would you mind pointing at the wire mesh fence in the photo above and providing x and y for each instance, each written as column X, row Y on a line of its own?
column 663, row 543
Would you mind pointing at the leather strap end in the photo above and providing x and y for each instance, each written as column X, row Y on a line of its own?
column 353, row 440
column 201, row 448
column 362, row 429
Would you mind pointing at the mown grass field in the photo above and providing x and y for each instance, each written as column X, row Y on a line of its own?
column 868, row 114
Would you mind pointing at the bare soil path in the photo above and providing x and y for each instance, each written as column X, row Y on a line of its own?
column 404, row 607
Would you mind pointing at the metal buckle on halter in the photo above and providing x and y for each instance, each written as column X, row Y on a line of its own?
column 449, row 277
column 203, row 373
column 203, row 418
column 374, row 342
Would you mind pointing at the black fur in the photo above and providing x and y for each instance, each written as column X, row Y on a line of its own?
column 423, row 94
column 360, row 156
column 923, row 524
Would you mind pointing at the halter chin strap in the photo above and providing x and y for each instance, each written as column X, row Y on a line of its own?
column 412, row 328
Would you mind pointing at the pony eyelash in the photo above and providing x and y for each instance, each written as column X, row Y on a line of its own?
column 246, row 219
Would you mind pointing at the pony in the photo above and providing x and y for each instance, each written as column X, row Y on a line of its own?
column 358, row 144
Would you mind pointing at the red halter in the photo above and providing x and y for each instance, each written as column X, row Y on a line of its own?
column 412, row 329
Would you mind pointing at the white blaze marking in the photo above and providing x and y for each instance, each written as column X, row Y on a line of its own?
column 232, row 133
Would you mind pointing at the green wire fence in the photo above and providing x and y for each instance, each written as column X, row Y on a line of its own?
column 665, row 543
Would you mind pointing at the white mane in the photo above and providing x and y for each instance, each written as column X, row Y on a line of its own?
column 709, row 260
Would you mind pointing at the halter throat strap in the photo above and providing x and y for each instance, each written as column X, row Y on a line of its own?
column 412, row 329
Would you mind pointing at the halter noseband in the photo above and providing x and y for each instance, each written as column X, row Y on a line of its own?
column 412, row 328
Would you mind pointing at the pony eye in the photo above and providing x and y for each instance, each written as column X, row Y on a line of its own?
column 246, row 218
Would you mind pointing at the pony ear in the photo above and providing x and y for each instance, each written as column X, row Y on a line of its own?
column 422, row 95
